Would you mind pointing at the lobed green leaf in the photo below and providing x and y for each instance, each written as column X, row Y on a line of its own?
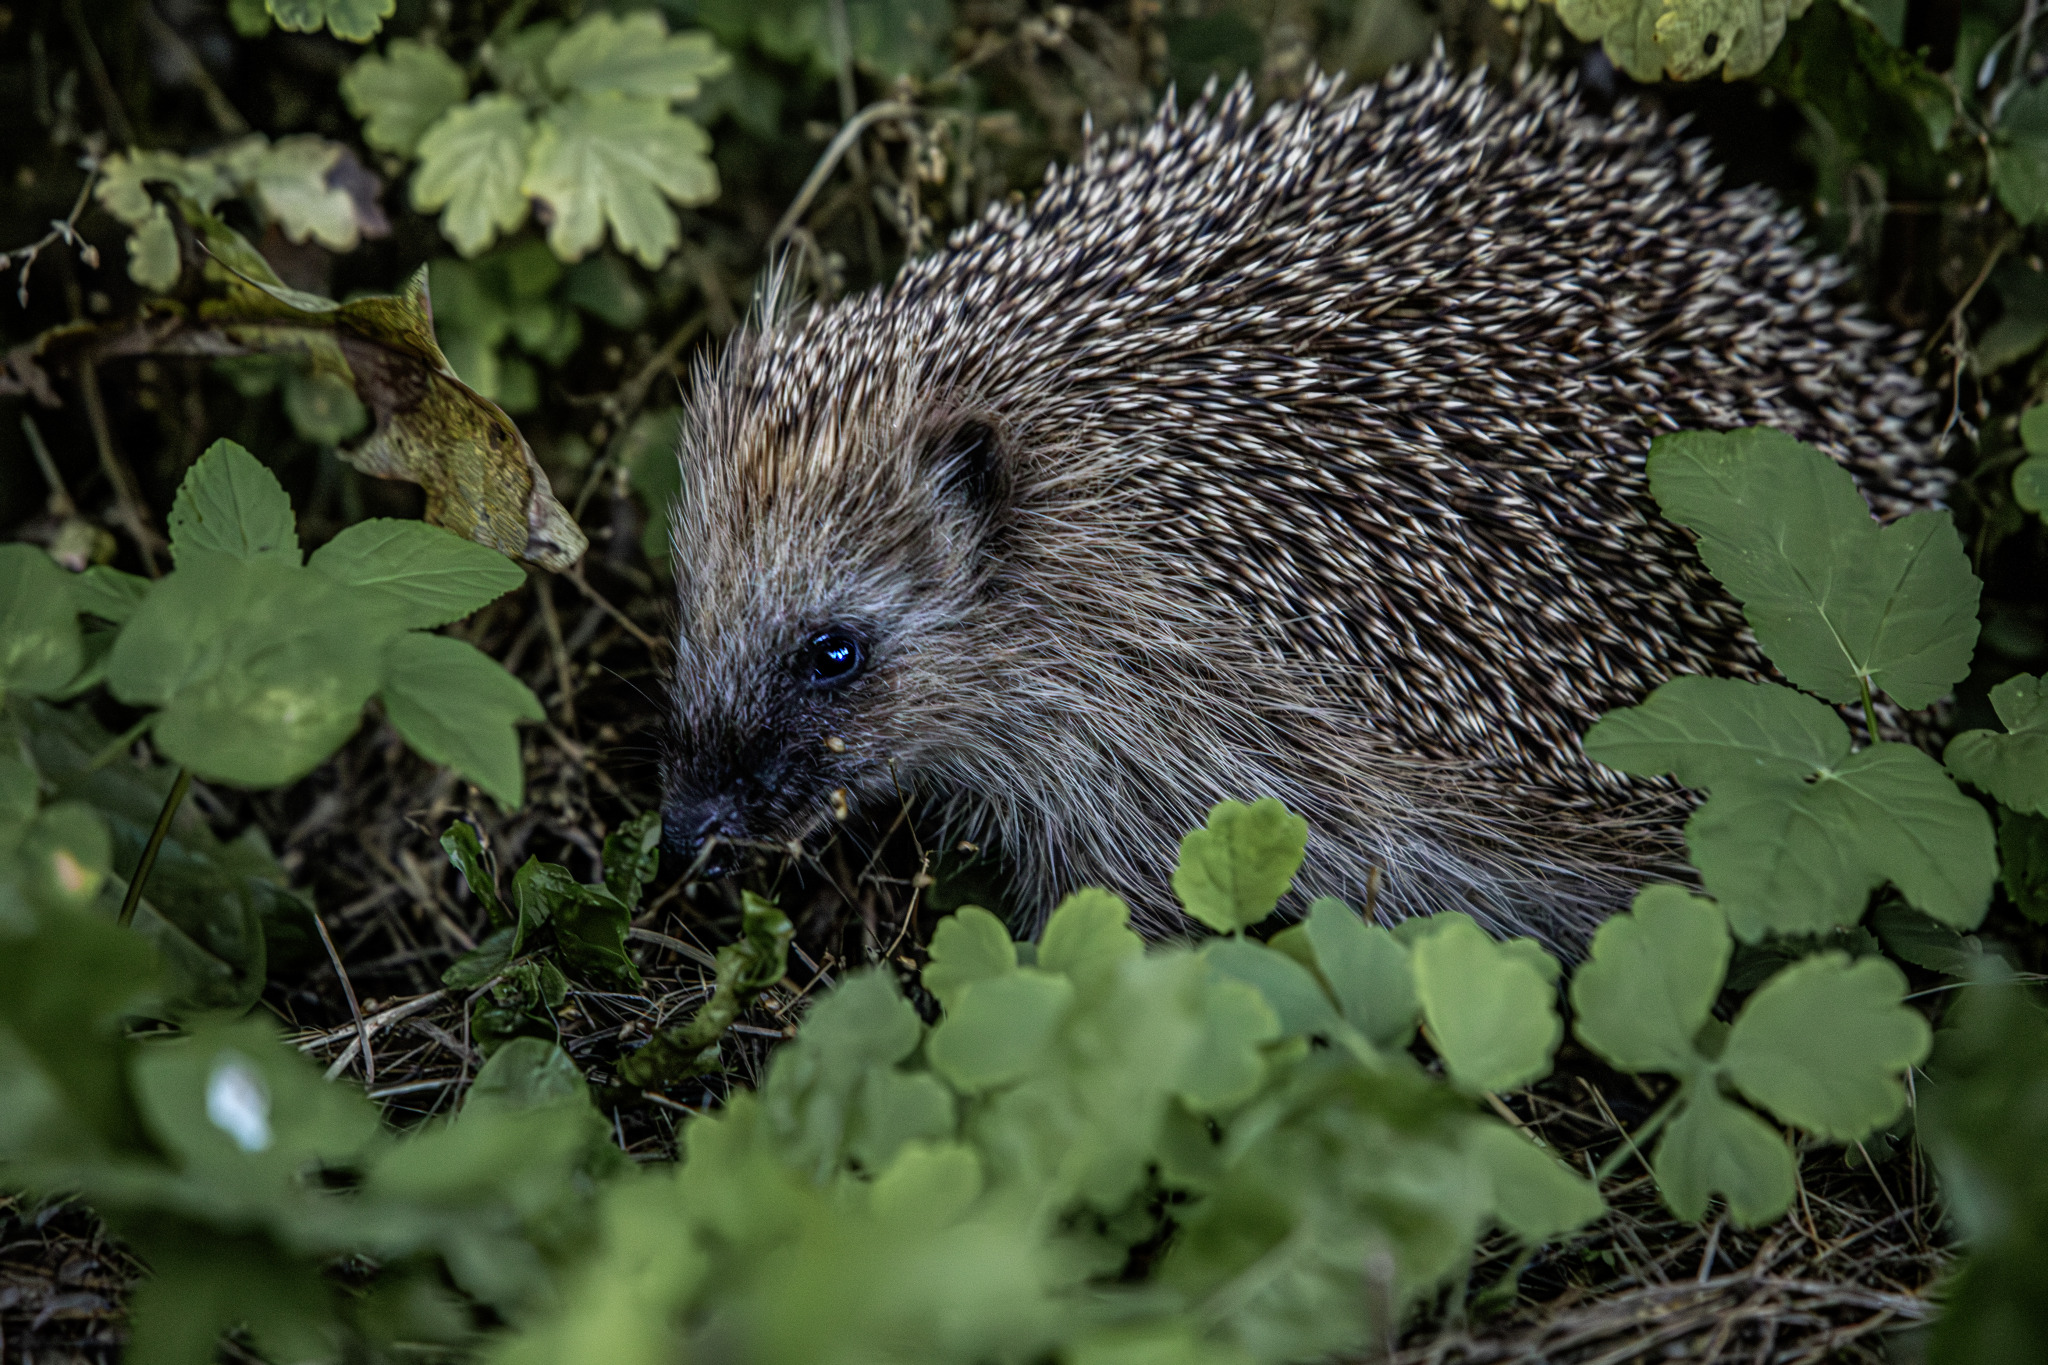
column 2013, row 766
column 1650, row 980
column 1234, row 869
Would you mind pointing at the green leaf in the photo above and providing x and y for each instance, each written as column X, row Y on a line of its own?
column 424, row 576
column 1491, row 1014
column 610, row 160
column 1823, row 1043
column 1291, row 990
column 2013, row 766
column 1234, row 870
column 471, row 162
column 261, row 667
column 1912, row 937
column 154, row 261
column 40, row 647
column 969, row 946
column 1798, row 831
column 401, row 93
column 355, row 20
column 1368, row 971
column 2019, row 156
column 1087, row 938
column 1535, row 1196
column 2030, row 484
column 1716, row 1146
column 1684, row 39
column 1833, row 597
column 62, row 858
column 457, row 706
column 466, row 852
column 229, row 503
column 107, row 593
column 2023, row 862
column 322, row 407
column 632, row 854
column 527, row 1073
column 1651, row 980
column 292, row 179
column 999, row 1029
column 634, row 55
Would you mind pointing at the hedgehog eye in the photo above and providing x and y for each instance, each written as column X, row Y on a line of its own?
column 831, row 658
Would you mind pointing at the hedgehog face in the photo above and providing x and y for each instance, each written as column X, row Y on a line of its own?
column 825, row 594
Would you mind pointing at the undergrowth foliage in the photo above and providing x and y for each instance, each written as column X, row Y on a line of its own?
column 1097, row 1149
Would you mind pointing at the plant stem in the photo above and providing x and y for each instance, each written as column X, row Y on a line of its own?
column 1631, row 1143
column 156, row 841
column 1869, row 711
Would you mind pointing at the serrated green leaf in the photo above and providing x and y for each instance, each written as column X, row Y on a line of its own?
column 122, row 187
column 1824, row 1043
column 1491, row 1015
column 609, row 160
column 1534, row 1195
column 1368, row 971
column 999, row 1029
column 107, row 593
column 1833, row 597
column 1088, row 935
column 471, row 161
column 261, row 667
column 1797, row 830
column 2013, row 766
column 229, row 503
column 423, row 575
column 1650, row 981
column 1234, row 869
column 401, row 92
column 968, row 946
column 1716, row 1146
column 290, row 179
column 355, row 20
column 456, row 706
column 634, row 54
column 40, row 646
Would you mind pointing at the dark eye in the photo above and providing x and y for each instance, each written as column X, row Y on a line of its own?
column 831, row 658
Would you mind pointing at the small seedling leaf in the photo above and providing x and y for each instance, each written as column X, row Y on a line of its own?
column 1368, row 971
column 1534, row 1195
column 1088, row 935
column 1234, row 870
column 966, row 947
column 999, row 1029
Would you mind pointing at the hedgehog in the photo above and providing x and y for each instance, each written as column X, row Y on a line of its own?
column 1296, row 453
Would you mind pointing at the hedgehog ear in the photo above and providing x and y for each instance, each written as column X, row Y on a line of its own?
column 965, row 463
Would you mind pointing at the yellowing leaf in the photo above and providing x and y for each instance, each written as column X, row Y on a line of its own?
column 355, row 20
column 400, row 93
column 153, row 252
column 1684, row 39
column 124, row 176
column 471, row 161
column 634, row 55
column 610, row 159
column 290, row 180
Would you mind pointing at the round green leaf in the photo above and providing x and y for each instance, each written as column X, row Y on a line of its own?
column 2030, row 482
column 1293, row 992
column 1823, row 1045
column 323, row 407
column 971, row 945
column 1367, row 969
column 1492, row 1015
column 1088, row 935
column 1650, row 981
column 456, row 705
column 1234, row 870
column 1717, row 1146
column 999, row 1029
column 40, row 647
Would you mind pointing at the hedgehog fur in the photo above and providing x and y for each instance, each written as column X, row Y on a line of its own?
column 1296, row 453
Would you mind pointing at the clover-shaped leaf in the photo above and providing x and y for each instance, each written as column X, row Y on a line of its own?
column 1234, row 869
column 968, row 946
column 2013, row 766
column 1088, row 935
column 1650, row 980
column 1714, row 1145
column 1823, row 1043
column 1491, row 1012
column 471, row 161
column 1836, row 600
column 1797, row 830
column 999, row 1028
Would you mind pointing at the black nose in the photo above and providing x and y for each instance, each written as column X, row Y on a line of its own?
column 702, row 834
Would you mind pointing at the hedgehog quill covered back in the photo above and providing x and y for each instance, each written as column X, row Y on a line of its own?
column 1296, row 454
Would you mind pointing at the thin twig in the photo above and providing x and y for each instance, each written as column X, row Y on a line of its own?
column 354, row 1008
column 63, row 230
column 127, row 498
column 575, row 575
column 96, row 72
column 175, row 799
column 848, row 134
column 225, row 116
